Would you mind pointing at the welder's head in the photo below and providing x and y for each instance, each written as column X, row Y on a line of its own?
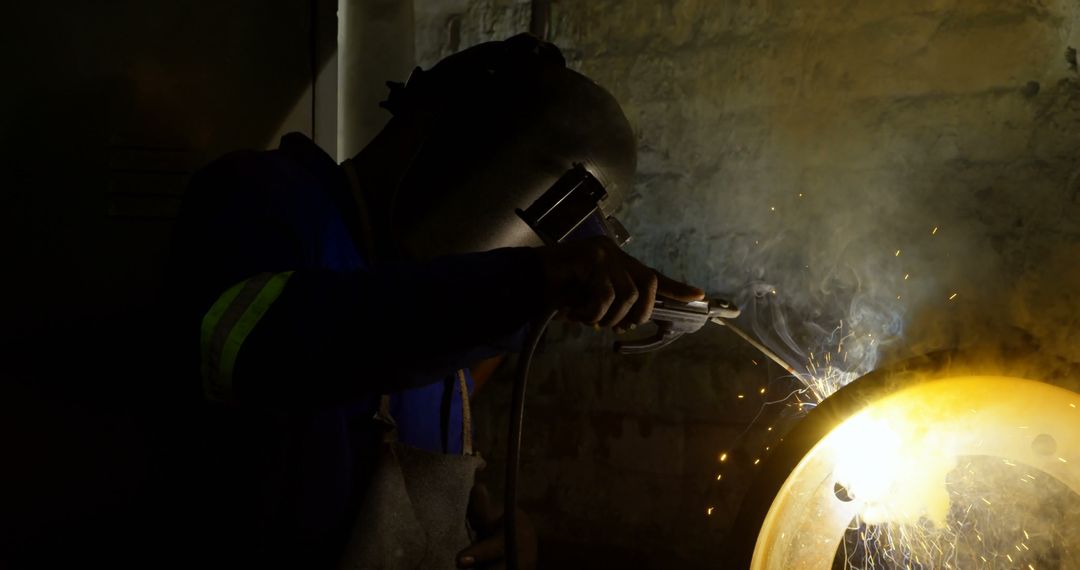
column 500, row 124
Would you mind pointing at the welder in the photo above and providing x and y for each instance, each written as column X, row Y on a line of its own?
column 334, row 310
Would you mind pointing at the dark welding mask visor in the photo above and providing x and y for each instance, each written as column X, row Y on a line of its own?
column 572, row 209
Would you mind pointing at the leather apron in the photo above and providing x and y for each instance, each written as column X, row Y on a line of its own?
column 414, row 513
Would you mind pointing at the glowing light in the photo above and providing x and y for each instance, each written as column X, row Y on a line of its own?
column 869, row 451
column 953, row 296
column 772, row 209
column 723, row 457
column 719, row 476
column 761, row 391
column 895, row 461
column 756, row 461
column 708, row 511
column 898, row 253
column 741, row 396
column 934, row 231
column 906, row 275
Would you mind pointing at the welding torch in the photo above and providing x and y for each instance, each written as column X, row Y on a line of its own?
column 674, row 319
column 575, row 201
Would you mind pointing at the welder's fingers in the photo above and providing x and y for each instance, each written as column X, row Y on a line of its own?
column 481, row 553
column 490, row 551
column 672, row 289
column 626, row 294
column 598, row 299
column 482, row 515
column 640, row 312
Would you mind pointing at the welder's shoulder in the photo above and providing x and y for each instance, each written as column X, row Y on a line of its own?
column 243, row 173
column 297, row 171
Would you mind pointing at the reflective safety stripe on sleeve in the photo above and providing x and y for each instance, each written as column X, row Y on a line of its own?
column 228, row 322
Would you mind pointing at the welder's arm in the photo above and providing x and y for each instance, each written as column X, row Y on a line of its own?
column 333, row 336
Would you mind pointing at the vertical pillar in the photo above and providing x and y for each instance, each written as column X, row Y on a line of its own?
column 375, row 44
column 324, row 68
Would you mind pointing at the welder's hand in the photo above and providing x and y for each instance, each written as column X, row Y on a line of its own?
column 595, row 282
column 487, row 552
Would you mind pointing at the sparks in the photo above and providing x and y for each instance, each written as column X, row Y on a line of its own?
column 953, row 296
column 719, row 476
column 906, row 275
column 762, row 391
column 723, row 457
column 934, row 231
column 898, row 253
column 756, row 461
column 708, row 511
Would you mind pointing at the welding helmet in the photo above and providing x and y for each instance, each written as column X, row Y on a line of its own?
column 516, row 150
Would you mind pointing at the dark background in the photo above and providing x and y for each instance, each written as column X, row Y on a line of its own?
column 795, row 143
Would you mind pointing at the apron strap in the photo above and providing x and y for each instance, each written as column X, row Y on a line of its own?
column 383, row 415
column 466, row 415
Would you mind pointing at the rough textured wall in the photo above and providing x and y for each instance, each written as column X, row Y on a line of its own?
column 811, row 147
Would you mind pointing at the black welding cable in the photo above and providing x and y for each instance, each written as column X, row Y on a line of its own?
column 513, row 455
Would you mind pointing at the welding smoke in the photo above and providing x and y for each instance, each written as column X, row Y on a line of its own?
column 872, row 230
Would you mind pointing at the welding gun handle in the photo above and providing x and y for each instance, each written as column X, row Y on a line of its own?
column 663, row 337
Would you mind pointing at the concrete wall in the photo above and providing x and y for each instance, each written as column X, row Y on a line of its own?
column 812, row 147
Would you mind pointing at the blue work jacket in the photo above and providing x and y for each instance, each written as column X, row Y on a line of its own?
column 291, row 447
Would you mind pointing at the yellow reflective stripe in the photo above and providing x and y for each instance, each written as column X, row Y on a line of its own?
column 209, row 325
column 225, row 328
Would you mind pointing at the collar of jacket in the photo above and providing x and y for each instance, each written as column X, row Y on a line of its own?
column 357, row 207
